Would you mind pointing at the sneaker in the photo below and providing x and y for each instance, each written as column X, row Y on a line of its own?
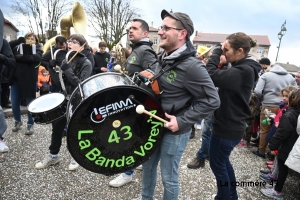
column 265, row 171
column 270, row 166
column 198, row 126
column 242, row 144
column 140, row 167
column 267, row 177
column 48, row 160
column 262, row 155
column 3, row 147
column 30, row 130
column 272, row 193
column 269, row 186
column 17, row 126
column 73, row 165
column 120, row 180
column 196, row 163
column 140, row 198
column 270, row 162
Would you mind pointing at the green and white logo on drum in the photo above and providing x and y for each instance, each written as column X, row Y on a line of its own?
column 133, row 58
column 99, row 114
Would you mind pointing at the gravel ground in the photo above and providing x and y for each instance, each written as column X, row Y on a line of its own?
column 20, row 180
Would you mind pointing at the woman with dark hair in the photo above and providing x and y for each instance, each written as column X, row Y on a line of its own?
column 25, row 78
column 229, row 120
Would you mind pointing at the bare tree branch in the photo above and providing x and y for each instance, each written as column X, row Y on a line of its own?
column 109, row 18
column 34, row 12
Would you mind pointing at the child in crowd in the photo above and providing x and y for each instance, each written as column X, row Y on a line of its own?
column 254, row 106
column 272, row 173
column 44, row 82
column 282, row 143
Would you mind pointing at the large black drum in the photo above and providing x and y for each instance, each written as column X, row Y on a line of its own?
column 105, row 134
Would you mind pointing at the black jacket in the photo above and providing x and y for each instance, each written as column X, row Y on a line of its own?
column 80, row 69
column 7, row 62
column 101, row 60
column 235, row 85
column 286, row 134
column 142, row 57
column 26, row 73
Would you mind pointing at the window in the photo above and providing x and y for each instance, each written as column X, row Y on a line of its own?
column 259, row 51
column 7, row 38
column 155, row 40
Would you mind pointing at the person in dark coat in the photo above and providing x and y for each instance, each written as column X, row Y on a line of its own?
column 25, row 79
column 282, row 143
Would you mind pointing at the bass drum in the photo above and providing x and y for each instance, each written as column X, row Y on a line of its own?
column 105, row 134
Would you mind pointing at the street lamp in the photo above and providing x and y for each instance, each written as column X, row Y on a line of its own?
column 280, row 35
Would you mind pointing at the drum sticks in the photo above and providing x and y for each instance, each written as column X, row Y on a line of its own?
column 141, row 109
column 51, row 50
column 76, row 53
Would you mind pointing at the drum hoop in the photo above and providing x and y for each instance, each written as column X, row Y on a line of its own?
column 55, row 53
column 43, row 97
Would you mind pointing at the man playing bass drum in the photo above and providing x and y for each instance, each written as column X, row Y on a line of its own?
column 142, row 58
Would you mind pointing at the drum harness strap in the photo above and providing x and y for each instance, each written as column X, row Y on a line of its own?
column 161, row 72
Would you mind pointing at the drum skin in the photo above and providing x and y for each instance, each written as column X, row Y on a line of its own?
column 105, row 133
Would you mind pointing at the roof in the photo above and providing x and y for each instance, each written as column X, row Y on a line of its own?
column 262, row 40
column 289, row 67
column 152, row 29
column 10, row 24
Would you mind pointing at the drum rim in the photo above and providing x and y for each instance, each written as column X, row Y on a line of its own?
column 43, row 96
column 86, row 80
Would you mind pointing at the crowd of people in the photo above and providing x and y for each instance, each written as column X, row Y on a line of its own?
column 241, row 101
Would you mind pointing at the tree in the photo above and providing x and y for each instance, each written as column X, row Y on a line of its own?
column 42, row 15
column 109, row 18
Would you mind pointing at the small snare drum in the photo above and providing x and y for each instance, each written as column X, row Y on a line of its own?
column 48, row 108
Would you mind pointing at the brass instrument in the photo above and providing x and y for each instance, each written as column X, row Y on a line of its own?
column 121, row 56
column 77, row 19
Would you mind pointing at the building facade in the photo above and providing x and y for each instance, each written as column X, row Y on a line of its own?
column 211, row 39
column 10, row 32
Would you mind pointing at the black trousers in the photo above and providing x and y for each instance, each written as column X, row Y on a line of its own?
column 282, row 174
column 5, row 94
column 56, row 136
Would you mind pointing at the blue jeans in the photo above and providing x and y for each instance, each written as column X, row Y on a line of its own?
column 3, row 125
column 16, row 103
column 219, row 153
column 169, row 154
column 202, row 154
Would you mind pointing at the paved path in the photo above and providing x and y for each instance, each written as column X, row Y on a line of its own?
column 20, row 180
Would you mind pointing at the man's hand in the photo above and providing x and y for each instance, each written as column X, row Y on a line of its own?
column 103, row 69
column 146, row 74
column 172, row 125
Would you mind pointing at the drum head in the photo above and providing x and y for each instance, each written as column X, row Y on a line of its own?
column 46, row 102
column 106, row 135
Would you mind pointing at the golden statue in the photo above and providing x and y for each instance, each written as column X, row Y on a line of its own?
column 77, row 20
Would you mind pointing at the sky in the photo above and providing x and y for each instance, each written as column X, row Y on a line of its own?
column 253, row 17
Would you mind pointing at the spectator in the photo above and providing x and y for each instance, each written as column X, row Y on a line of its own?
column 268, row 90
